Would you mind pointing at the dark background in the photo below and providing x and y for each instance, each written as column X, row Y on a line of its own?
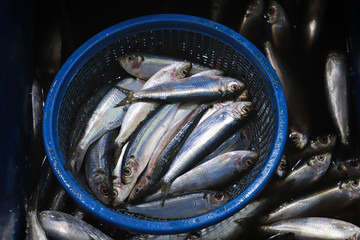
column 36, row 38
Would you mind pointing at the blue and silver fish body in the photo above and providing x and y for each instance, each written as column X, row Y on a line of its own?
column 166, row 150
column 199, row 89
column 61, row 225
column 138, row 111
column 144, row 66
column 205, row 138
column 322, row 203
column 182, row 206
column 98, row 165
column 105, row 117
column 315, row 228
column 306, row 172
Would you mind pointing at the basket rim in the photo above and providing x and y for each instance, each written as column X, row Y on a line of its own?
column 109, row 36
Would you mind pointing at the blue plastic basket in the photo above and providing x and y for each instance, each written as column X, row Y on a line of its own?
column 196, row 39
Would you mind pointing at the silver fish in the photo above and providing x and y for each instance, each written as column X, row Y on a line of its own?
column 296, row 102
column 315, row 228
column 205, row 137
column 280, row 29
column 182, row 206
column 336, row 89
column 214, row 173
column 282, row 168
column 98, row 167
column 138, row 111
column 105, row 118
column 200, row 88
column 344, row 168
column 323, row 202
column 167, row 148
column 318, row 145
column 144, row 66
column 65, row 226
column 140, row 149
column 306, row 173
column 253, row 19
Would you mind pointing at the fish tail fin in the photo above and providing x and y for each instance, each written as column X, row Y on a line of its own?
column 129, row 96
column 165, row 188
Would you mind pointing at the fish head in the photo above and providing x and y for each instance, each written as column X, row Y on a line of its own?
column 320, row 163
column 217, row 198
column 247, row 160
column 178, row 70
column 323, row 142
column 351, row 188
column 131, row 61
column 129, row 169
column 275, row 14
column 137, row 191
column 101, row 187
column 231, row 86
column 243, row 109
column 298, row 139
column 120, row 192
column 351, row 167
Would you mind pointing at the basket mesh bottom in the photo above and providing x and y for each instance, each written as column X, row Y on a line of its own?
column 103, row 70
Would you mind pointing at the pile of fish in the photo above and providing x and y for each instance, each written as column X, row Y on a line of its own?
column 169, row 140
column 315, row 191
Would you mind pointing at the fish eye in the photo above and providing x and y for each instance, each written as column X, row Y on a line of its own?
column 127, row 171
column 355, row 183
column 324, row 139
column 271, row 10
column 282, row 164
column 234, row 87
column 354, row 163
column 129, row 58
column 294, row 137
column 249, row 162
column 104, row 191
column 114, row 194
column 219, row 196
column 246, row 110
column 320, row 157
column 184, row 72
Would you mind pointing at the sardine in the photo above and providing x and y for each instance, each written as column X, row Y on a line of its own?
column 105, row 118
column 344, row 168
column 182, row 206
column 166, row 150
column 214, row 173
column 279, row 29
column 336, row 89
column 323, row 202
column 296, row 102
column 315, row 228
column 253, row 19
column 318, row 145
column 98, row 165
column 140, row 149
column 144, row 66
column 306, row 173
column 65, row 226
column 199, row 89
column 283, row 167
column 138, row 111
column 206, row 137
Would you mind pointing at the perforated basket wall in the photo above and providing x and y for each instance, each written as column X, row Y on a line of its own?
column 95, row 65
